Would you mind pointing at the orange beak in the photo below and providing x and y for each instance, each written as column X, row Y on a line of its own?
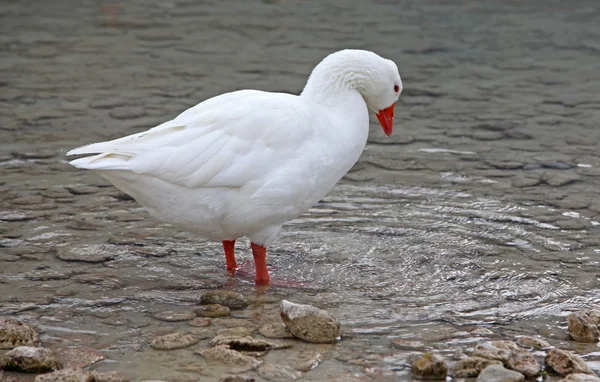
column 386, row 119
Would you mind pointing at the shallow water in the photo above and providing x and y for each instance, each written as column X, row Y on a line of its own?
column 481, row 210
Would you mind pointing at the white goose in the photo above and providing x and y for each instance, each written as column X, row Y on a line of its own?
column 246, row 162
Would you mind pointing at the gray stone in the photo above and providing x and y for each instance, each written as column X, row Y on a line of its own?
column 559, row 178
column 309, row 323
column 174, row 341
column 247, row 343
column 495, row 350
column 212, row 310
column 237, row 378
column 15, row 333
column 430, row 366
column 199, row 322
column 407, row 344
column 497, row 373
column 30, row 359
column 533, row 342
column 235, row 332
column 524, row 363
column 583, row 325
column 230, row 299
column 308, row 360
column 79, row 357
column 564, row 362
column 66, row 375
column 89, row 253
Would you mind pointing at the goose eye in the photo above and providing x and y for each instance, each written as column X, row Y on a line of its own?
column 396, row 88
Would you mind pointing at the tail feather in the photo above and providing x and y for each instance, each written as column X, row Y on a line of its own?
column 104, row 161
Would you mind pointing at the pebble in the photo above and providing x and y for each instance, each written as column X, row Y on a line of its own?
column 275, row 330
column 497, row 373
column 579, row 377
column 174, row 341
column 276, row 372
column 309, row 323
column 583, row 325
column 564, row 362
column 172, row 316
column 15, row 333
column 30, row 359
column 199, row 322
column 430, row 366
column 470, row 367
column 308, row 360
column 533, row 342
column 247, row 343
column 222, row 353
column 212, row 310
column 230, row 299
column 79, row 357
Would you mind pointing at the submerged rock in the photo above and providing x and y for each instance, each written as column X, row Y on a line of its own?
column 275, row 330
column 79, row 375
column 212, row 310
column 495, row 350
column 579, row 377
column 174, row 341
column 222, row 353
column 79, row 357
column 237, row 378
column 583, row 325
column 470, row 367
column 235, row 332
column 533, row 342
column 309, row 323
column 199, row 322
column 430, row 366
column 247, row 343
column 91, row 253
column 407, row 344
column 15, row 333
column 30, row 359
column 308, row 360
column 564, row 362
column 497, row 373
column 275, row 372
column 171, row 316
column 230, row 299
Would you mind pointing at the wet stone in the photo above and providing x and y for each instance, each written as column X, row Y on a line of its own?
column 174, row 341
column 275, row 330
column 470, row 367
column 199, row 322
column 308, row 360
column 82, row 190
column 82, row 225
column 522, row 182
column 14, row 333
column 564, row 362
column 533, row 342
column 224, row 354
column 30, row 359
column 42, row 154
column 79, row 357
column 276, row 372
column 91, row 253
column 230, row 299
column 212, row 310
column 497, row 373
column 309, row 323
column 247, row 343
column 583, row 325
column 430, row 366
column 495, row 350
column 66, row 375
column 172, row 316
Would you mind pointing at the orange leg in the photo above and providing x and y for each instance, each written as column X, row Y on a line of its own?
column 228, row 246
column 260, row 262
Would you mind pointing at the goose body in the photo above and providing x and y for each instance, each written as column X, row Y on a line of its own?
column 246, row 162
